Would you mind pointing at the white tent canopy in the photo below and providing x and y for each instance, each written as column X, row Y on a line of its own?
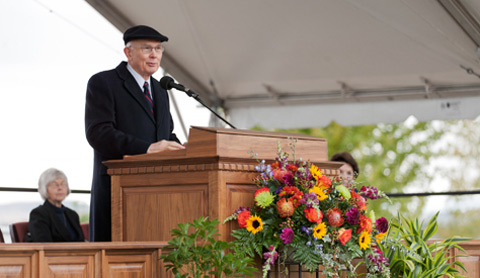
column 293, row 64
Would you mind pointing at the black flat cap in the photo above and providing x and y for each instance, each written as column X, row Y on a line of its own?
column 143, row 32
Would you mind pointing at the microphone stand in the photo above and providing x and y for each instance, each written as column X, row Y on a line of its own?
column 191, row 93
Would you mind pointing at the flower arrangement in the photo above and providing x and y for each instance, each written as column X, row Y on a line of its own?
column 303, row 215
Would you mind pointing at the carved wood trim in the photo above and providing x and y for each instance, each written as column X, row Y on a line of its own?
column 222, row 166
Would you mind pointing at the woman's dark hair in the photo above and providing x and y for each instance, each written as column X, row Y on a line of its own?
column 347, row 158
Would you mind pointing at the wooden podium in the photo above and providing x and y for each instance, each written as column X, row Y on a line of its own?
column 213, row 176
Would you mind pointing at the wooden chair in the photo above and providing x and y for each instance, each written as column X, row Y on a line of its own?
column 18, row 230
column 85, row 230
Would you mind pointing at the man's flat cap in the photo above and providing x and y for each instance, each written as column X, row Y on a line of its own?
column 143, row 32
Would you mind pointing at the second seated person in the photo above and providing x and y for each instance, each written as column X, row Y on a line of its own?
column 349, row 170
column 126, row 113
column 52, row 221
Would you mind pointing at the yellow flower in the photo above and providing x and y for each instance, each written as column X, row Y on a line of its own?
column 380, row 236
column 316, row 172
column 320, row 192
column 364, row 240
column 320, row 230
column 254, row 224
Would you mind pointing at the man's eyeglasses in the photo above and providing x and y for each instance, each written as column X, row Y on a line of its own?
column 147, row 49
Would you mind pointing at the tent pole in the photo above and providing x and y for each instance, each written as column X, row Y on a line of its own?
column 179, row 114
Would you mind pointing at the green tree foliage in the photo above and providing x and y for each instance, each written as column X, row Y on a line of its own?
column 462, row 148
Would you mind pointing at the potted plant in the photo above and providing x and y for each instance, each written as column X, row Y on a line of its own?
column 299, row 214
column 194, row 252
column 411, row 253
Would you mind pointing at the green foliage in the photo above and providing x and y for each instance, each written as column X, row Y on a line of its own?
column 411, row 254
column 199, row 254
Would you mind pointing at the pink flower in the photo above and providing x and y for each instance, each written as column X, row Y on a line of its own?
column 382, row 225
column 271, row 256
column 335, row 217
column 353, row 216
column 287, row 235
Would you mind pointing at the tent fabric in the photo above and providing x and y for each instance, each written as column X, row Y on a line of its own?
column 292, row 64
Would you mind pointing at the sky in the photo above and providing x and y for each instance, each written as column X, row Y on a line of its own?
column 48, row 51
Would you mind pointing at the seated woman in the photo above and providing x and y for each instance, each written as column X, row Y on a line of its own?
column 349, row 170
column 52, row 221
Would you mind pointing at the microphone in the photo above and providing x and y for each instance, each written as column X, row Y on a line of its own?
column 168, row 83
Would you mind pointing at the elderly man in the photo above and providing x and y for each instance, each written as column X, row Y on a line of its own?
column 126, row 113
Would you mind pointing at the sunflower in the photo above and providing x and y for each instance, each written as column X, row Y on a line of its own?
column 364, row 240
column 319, row 191
column 254, row 224
column 320, row 230
column 316, row 172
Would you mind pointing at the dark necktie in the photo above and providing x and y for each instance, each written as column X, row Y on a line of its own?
column 146, row 92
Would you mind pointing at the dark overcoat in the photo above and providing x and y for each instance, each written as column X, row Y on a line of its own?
column 44, row 225
column 118, row 122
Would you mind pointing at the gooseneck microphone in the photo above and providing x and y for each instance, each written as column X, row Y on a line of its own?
column 168, row 83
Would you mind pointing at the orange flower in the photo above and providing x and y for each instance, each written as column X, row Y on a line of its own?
column 344, row 235
column 313, row 215
column 285, row 208
column 335, row 217
column 365, row 224
column 242, row 218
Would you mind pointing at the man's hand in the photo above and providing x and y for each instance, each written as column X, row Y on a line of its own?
column 164, row 145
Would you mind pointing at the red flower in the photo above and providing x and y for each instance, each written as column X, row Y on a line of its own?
column 292, row 190
column 359, row 200
column 285, row 208
column 292, row 168
column 242, row 218
column 278, row 174
column 344, row 235
column 324, row 181
column 263, row 189
column 365, row 224
column 335, row 217
column 313, row 215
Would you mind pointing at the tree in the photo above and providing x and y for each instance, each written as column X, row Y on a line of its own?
column 461, row 148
